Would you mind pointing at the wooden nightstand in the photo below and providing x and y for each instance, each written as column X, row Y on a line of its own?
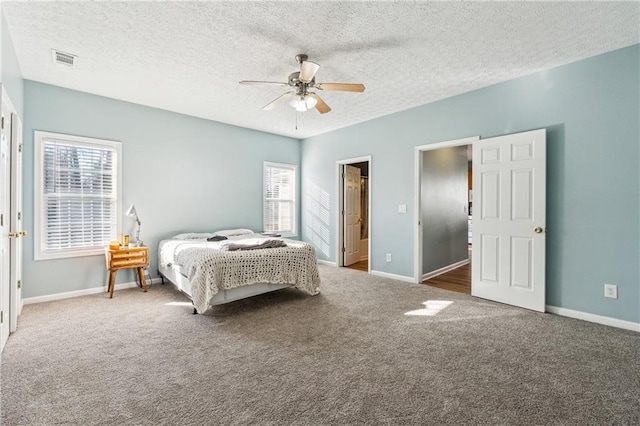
column 132, row 257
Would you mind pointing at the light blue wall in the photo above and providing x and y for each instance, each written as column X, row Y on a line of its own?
column 182, row 173
column 591, row 112
column 185, row 173
column 10, row 74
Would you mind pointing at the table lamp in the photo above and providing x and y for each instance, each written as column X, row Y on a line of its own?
column 132, row 212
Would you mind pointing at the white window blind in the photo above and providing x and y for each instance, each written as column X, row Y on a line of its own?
column 280, row 198
column 77, row 194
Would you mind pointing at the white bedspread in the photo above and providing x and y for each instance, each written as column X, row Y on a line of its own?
column 210, row 269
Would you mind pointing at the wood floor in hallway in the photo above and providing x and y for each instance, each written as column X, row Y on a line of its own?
column 363, row 265
column 458, row 280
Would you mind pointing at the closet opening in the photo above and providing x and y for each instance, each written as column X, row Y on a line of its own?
column 354, row 177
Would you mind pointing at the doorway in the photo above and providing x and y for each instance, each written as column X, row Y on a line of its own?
column 447, row 231
column 11, row 231
column 508, row 263
column 445, row 202
column 354, row 213
column 459, row 278
column 456, row 276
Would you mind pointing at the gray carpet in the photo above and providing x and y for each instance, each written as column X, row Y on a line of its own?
column 347, row 356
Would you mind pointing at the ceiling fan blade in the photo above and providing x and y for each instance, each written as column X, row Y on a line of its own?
column 263, row 82
column 308, row 70
column 281, row 98
column 343, row 87
column 321, row 106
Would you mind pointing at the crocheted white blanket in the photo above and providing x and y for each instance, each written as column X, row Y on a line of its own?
column 210, row 269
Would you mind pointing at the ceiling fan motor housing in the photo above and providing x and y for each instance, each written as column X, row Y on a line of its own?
column 294, row 81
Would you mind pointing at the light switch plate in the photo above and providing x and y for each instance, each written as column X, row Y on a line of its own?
column 402, row 208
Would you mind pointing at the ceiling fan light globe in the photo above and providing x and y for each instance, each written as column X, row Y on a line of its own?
column 310, row 102
column 299, row 103
column 295, row 100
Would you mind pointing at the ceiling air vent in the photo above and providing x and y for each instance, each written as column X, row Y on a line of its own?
column 63, row 58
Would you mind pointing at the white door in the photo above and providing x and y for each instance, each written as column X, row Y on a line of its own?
column 352, row 216
column 5, row 189
column 509, row 202
column 16, row 222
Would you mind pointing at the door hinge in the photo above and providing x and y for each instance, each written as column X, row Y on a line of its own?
column 1, row 219
column 20, row 147
column 3, row 122
column 1, row 317
column 19, row 284
column 19, row 215
column 344, row 249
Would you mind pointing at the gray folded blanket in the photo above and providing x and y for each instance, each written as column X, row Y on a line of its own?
column 217, row 238
column 251, row 244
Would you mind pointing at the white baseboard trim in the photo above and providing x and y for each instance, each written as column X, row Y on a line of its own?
column 326, row 262
column 599, row 319
column 393, row 276
column 444, row 269
column 77, row 293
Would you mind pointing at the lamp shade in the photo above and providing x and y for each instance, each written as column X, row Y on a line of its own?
column 132, row 211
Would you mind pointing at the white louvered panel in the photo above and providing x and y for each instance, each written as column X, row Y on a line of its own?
column 79, row 199
column 279, row 202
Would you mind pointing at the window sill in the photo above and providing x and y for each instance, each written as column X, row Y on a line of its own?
column 68, row 254
column 279, row 234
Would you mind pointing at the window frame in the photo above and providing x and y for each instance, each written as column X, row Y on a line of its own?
column 40, row 252
column 294, row 201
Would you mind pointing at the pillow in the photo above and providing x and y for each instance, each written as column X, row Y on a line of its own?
column 233, row 232
column 193, row 236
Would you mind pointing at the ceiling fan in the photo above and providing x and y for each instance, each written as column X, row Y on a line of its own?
column 302, row 82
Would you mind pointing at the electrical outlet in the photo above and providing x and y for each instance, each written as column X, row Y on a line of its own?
column 388, row 257
column 402, row 208
column 611, row 291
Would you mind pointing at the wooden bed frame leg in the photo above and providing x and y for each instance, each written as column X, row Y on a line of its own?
column 161, row 277
column 195, row 311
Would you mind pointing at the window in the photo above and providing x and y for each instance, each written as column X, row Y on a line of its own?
column 77, row 190
column 280, row 198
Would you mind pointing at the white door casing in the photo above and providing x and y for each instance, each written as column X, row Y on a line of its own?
column 418, row 226
column 5, row 189
column 352, row 215
column 509, row 216
column 16, row 249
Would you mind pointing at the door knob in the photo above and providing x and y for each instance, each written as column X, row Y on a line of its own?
column 538, row 230
column 23, row 233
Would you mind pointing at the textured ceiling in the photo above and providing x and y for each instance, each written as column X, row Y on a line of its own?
column 189, row 56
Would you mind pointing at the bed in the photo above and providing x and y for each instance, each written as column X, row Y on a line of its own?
column 217, row 272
